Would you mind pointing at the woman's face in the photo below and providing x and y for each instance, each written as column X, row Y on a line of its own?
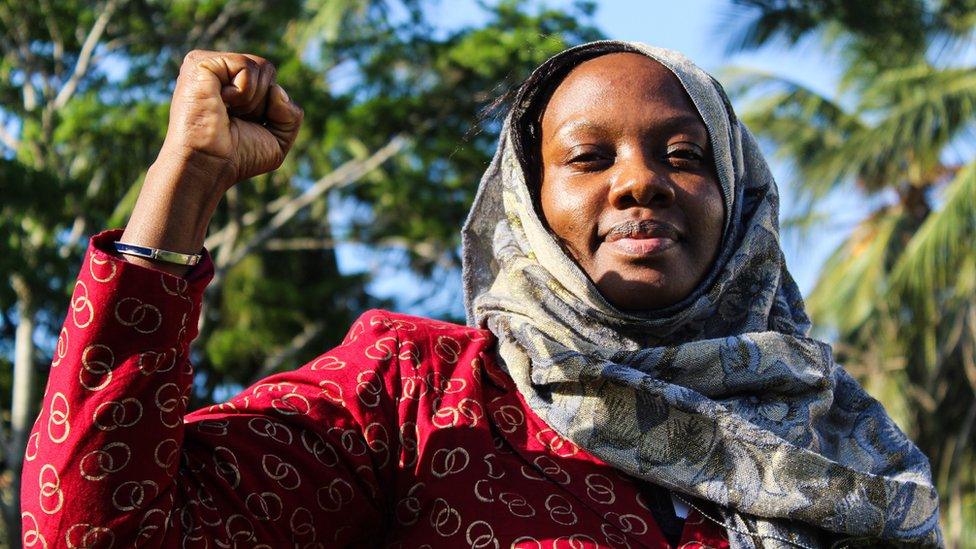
column 628, row 181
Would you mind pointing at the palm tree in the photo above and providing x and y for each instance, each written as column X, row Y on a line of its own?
column 899, row 294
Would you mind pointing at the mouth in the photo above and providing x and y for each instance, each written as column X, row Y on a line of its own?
column 642, row 238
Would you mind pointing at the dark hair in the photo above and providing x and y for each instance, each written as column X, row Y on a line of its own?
column 533, row 96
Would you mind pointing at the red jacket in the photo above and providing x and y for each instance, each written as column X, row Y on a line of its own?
column 407, row 434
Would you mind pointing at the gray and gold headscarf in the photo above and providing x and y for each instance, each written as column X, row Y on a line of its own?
column 723, row 396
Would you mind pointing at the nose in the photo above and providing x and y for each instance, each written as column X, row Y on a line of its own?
column 640, row 181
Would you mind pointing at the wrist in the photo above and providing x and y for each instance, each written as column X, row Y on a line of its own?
column 177, row 202
column 173, row 210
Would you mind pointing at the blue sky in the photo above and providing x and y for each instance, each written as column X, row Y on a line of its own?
column 699, row 29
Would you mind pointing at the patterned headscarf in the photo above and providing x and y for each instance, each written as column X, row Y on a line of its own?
column 723, row 396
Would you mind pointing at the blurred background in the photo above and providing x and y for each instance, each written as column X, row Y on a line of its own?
column 866, row 111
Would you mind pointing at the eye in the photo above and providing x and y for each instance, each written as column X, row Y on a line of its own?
column 589, row 158
column 685, row 155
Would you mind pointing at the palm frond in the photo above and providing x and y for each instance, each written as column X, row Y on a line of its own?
column 943, row 250
column 810, row 129
column 895, row 137
column 757, row 23
column 853, row 280
column 922, row 109
column 327, row 20
column 899, row 296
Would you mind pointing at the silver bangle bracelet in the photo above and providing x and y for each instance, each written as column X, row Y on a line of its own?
column 157, row 254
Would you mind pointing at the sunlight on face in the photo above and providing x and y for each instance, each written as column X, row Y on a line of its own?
column 628, row 182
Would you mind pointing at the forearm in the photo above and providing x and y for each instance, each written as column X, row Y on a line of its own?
column 175, row 204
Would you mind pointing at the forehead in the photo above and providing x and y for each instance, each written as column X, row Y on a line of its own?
column 624, row 87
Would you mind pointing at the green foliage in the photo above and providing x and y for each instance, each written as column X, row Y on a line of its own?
column 81, row 125
column 940, row 256
column 870, row 35
column 852, row 281
column 438, row 92
column 28, row 239
column 900, row 292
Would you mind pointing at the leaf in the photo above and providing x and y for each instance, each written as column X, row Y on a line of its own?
column 853, row 279
column 934, row 258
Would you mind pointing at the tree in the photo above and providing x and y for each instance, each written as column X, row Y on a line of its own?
column 394, row 131
column 900, row 291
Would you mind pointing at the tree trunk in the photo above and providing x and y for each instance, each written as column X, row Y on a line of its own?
column 22, row 405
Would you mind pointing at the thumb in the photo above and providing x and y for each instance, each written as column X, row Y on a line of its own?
column 283, row 117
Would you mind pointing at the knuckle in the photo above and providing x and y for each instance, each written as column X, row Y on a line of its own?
column 263, row 65
column 189, row 61
column 249, row 63
column 195, row 55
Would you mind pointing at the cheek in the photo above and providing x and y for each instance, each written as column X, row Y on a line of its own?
column 709, row 215
column 570, row 212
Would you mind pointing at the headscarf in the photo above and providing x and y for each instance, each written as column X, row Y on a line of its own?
column 723, row 396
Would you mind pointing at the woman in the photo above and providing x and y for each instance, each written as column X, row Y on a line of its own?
column 637, row 370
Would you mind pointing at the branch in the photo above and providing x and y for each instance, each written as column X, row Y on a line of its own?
column 274, row 361
column 219, row 237
column 84, row 56
column 8, row 139
column 302, row 244
column 115, row 44
column 425, row 250
column 80, row 223
column 345, row 174
column 52, row 29
column 107, row 49
column 21, row 45
column 218, row 24
column 968, row 352
column 232, row 229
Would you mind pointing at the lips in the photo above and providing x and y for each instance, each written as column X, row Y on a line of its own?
column 642, row 237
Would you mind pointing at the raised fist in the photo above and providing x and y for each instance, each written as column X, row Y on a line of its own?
column 228, row 108
column 228, row 121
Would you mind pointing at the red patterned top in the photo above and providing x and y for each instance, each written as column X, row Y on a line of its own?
column 406, row 435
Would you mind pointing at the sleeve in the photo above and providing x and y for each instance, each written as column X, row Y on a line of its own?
column 114, row 460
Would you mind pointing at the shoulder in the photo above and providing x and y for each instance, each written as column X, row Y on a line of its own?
column 401, row 344
column 419, row 348
column 417, row 330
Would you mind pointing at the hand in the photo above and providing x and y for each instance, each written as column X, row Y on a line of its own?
column 227, row 106
column 229, row 121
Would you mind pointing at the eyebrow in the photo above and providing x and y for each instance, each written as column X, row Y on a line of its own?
column 679, row 122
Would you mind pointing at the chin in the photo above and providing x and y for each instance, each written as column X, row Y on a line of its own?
column 639, row 293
